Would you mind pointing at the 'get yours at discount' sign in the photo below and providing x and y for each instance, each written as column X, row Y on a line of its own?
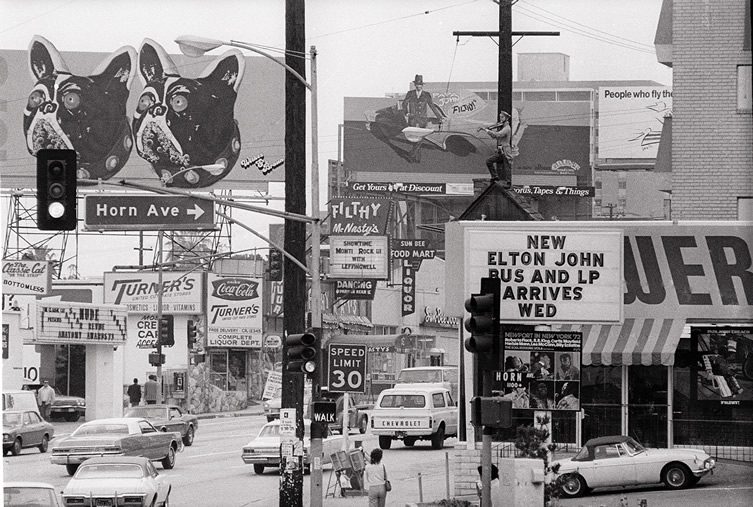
column 553, row 276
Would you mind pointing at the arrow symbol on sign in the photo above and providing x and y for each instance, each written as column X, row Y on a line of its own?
column 196, row 212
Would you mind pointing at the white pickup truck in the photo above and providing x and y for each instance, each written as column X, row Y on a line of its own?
column 411, row 413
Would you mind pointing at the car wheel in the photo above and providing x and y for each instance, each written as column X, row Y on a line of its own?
column 363, row 424
column 437, row 439
column 168, row 462
column 573, row 485
column 45, row 443
column 385, row 442
column 188, row 439
column 72, row 416
column 258, row 469
column 15, row 450
column 409, row 441
column 71, row 469
column 675, row 476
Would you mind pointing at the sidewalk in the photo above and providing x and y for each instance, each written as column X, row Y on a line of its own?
column 252, row 409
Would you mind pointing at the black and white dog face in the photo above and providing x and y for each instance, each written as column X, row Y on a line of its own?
column 185, row 127
column 86, row 114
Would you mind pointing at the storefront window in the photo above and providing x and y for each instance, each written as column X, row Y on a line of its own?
column 647, row 405
column 236, row 378
column 218, row 369
column 601, row 391
column 701, row 405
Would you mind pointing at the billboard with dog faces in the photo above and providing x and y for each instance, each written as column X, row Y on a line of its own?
column 139, row 113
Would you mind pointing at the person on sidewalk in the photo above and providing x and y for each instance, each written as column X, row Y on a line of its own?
column 134, row 393
column 150, row 390
column 375, row 478
column 45, row 398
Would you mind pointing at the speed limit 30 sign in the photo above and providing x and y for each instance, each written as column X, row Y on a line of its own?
column 347, row 368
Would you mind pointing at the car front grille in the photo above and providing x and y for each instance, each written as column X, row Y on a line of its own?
column 104, row 501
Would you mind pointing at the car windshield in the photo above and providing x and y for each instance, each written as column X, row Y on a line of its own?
column 11, row 419
column 98, row 429
column 420, row 376
column 583, row 455
column 146, row 412
column 634, row 447
column 13, row 496
column 403, row 400
column 110, row 471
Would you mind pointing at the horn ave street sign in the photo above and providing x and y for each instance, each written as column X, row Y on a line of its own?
column 147, row 212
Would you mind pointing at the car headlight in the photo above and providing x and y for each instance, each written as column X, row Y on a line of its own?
column 81, row 403
column 6, row 437
column 266, row 406
column 709, row 463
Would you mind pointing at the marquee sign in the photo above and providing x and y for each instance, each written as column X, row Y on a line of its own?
column 364, row 216
column 80, row 323
column 359, row 257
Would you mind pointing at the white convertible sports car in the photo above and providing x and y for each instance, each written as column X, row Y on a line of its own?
column 621, row 461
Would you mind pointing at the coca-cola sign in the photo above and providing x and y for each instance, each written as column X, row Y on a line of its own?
column 235, row 289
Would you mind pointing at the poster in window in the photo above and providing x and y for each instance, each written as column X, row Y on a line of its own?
column 541, row 370
column 723, row 369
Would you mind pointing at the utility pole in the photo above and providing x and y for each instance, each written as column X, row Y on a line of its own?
column 483, row 376
column 294, row 279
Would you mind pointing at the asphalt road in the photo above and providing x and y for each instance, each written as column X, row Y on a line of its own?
column 211, row 473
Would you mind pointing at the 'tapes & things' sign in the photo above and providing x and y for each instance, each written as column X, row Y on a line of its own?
column 552, row 276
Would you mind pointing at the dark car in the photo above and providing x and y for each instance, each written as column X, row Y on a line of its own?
column 168, row 418
column 24, row 428
column 124, row 436
column 68, row 407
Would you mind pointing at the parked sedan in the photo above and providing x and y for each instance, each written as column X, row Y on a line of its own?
column 24, row 428
column 69, row 408
column 264, row 450
column 24, row 494
column 168, row 418
column 621, row 461
column 124, row 436
column 124, row 480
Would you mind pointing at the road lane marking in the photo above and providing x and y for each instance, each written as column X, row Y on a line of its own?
column 236, row 451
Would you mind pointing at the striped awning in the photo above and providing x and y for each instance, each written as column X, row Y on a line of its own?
column 636, row 342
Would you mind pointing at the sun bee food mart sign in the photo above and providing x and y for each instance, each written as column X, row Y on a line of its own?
column 551, row 273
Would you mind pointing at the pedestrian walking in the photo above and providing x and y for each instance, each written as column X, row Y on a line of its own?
column 134, row 393
column 45, row 398
column 150, row 390
column 375, row 477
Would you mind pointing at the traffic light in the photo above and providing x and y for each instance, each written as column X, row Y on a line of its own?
column 303, row 353
column 165, row 331
column 56, row 190
column 484, row 323
column 192, row 333
column 275, row 266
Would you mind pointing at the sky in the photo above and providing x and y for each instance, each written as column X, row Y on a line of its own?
column 365, row 49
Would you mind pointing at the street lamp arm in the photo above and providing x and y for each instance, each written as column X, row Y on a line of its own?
column 264, row 238
column 227, row 202
column 193, row 45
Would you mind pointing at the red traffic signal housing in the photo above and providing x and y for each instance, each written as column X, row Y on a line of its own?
column 165, row 331
column 275, row 266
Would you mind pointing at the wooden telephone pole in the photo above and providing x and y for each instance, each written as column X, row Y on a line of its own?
column 504, row 103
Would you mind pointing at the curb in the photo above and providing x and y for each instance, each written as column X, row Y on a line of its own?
column 218, row 415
